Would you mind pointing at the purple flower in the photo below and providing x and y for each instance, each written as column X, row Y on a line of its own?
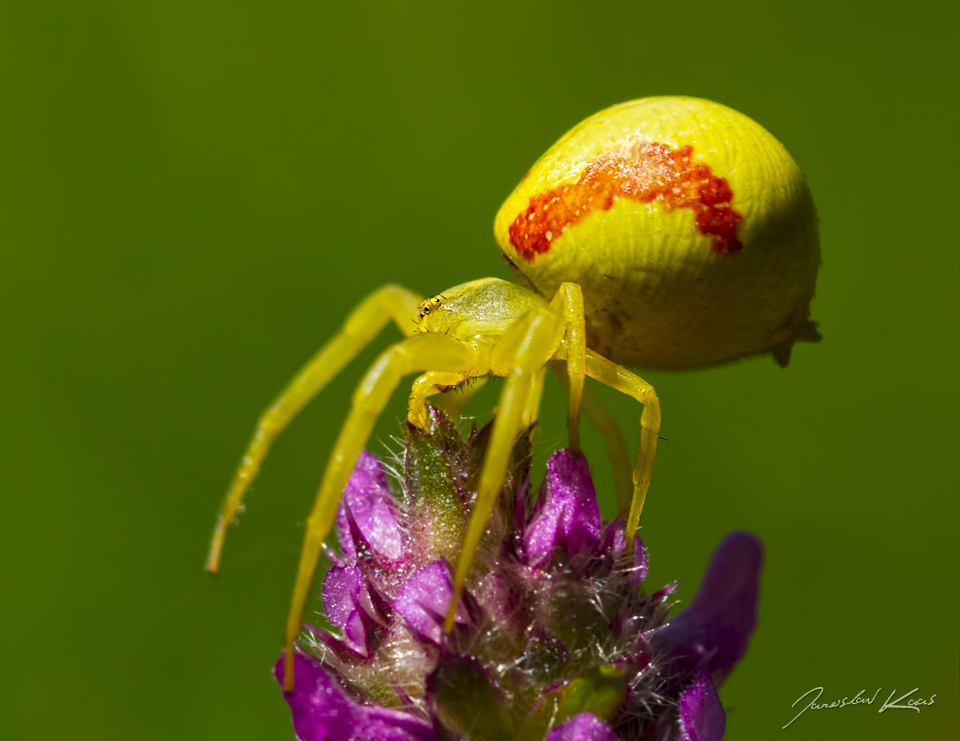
column 555, row 637
column 322, row 711
column 367, row 512
column 423, row 600
column 713, row 632
column 342, row 604
column 567, row 516
column 583, row 727
column 701, row 714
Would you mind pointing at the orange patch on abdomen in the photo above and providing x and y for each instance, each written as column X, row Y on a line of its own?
column 644, row 172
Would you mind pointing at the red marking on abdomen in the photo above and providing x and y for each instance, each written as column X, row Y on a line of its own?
column 642, row 171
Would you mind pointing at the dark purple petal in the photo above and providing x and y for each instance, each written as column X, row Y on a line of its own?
column 322, row 712
column 368, row 503
column 701, row 714
column 425, row 598
column 583, row 727
column 342, row 588
column 567, row 514
column 714, row 631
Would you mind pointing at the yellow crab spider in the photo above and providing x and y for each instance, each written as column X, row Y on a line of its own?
column 663, row 233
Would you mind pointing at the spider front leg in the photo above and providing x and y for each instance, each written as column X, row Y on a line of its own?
column 362, row 325
column 442, row 353
column 520, row 356
column 430, row 383
column 619, row 378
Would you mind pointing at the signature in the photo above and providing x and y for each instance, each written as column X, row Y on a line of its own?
column 860, row 699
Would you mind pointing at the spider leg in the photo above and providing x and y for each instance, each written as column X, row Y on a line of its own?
column 361, row 326
column 442, row 352
column 532, row 410
column 520, row 356
column 428, row 384
column 619, row 378
column 568, row 302
column 603, row 422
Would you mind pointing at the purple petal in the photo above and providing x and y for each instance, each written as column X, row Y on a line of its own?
column 425, row 598
column 322, row 712
column 342, row 587
column 567, row 514
column 714, row 631
column 615, row 542
column 701, row 714
column 368, row 503
column 583, row 727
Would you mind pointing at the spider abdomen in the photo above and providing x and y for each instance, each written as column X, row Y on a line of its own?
column 688, row 226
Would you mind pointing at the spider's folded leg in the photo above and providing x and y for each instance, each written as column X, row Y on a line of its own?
column 430, row 383
column 438, row 352
column 619, row 378
column 362, row 325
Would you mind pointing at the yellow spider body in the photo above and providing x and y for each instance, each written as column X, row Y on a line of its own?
column 660, row 291
column 664, row 233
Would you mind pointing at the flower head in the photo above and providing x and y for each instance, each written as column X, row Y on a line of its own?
column 554, row 638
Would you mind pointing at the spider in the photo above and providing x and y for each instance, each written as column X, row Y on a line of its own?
column 662, row 233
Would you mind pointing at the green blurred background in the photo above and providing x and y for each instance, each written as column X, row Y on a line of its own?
column 192, row 196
